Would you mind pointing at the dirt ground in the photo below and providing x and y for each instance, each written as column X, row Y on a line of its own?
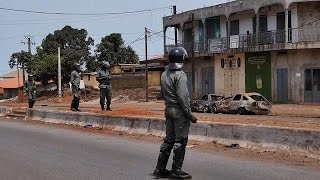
column 279, row 156
column 129, row 103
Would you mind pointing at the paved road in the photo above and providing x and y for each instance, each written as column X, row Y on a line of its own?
column 31, row 152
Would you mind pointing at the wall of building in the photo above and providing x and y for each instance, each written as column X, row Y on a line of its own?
column 229, row 81
column 296, row 61
column 309, row 12
column 245, row 21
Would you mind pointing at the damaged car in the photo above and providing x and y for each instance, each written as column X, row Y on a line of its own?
column 247, row 103
column 206, row 103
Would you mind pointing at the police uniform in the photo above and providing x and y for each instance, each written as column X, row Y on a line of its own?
column 104, row 78
column 75, row 88
column 30, row 89
column 178, row 115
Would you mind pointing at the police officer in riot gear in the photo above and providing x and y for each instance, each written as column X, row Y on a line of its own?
column 178, row 116
column 75, row 87
column 30, row 89
column 104, row 78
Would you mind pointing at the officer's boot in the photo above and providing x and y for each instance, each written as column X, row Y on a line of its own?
column 161, row 171
column 73, row 104
column 179, row 151
column 108, row 108
column 102, row 108
column 30, row 103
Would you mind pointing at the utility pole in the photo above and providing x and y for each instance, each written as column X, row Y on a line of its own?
column 193, row 59
column 175, row 28
column 59, row 75
column 146, row 69
column 29, row 50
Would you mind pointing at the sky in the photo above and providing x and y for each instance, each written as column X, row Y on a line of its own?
column 14, row 26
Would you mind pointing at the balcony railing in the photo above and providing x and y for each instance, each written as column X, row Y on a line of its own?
column 269, row 40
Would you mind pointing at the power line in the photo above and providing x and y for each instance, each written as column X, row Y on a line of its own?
column 82, row 14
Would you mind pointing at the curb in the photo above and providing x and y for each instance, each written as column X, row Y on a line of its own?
column 248, row 136
column 5, row 110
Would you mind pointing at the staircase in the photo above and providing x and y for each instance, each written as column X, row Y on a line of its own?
column 154, row 93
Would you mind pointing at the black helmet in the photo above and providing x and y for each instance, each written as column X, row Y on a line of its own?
column 177, row 57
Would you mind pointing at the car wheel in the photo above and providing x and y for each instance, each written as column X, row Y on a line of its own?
column 242, row 111
column 206, row 109
column 214, row 109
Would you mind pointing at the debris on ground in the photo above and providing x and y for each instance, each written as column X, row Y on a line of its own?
column 87, row 126
column 233, row 146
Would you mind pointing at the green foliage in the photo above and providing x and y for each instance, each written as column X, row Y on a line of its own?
column 22, row 58
column 112, row 48
column 75, row 48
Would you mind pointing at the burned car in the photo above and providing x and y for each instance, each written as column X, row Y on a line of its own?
column 247, row 103
column 206, row 103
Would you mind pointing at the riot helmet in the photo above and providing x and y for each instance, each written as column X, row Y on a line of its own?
column 177, row 56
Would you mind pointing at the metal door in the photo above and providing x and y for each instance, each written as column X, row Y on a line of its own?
column 282, row 85
column 207, row 81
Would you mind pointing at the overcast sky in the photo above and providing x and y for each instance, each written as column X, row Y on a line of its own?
column 15, row 25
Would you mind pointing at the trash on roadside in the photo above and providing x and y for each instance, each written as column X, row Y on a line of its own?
column 87, row 126
column 191, row 146
column 233, row 146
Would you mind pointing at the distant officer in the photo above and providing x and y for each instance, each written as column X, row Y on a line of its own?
column 75, row 87
column 178, row 115
column 30, row 89
column 104, row 78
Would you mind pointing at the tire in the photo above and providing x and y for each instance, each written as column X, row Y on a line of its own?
column 242, row 111
column 214, row 109
column 206, row 109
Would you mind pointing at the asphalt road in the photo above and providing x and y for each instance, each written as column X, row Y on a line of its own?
column 45, row 153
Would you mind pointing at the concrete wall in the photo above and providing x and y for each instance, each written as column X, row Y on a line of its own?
column 124, row 81
column 229, row 81
column 296, row 61
column 309, row 12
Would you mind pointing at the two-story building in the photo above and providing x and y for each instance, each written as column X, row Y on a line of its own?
column 265, row 46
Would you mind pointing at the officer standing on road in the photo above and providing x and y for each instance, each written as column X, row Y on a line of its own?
column 75, row 87
column 104, row 78
column 178, row 117
column 30, row 89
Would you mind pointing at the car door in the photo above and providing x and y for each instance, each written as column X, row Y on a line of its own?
column 235, row 103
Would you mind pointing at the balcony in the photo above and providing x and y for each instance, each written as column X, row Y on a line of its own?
column 299, row 38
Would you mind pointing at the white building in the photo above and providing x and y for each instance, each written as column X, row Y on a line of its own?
column 276, row 54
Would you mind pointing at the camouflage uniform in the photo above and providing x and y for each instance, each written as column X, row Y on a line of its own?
column 30, row 89
column 103, row 77
column 75, row 88
column 178, row 115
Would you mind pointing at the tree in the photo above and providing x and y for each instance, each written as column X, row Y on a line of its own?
column 22, row 58
column 113, row 49
column 75, row 47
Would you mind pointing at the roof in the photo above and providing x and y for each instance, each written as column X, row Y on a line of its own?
column 11, row 83
column 155, row 59
column 14, row 74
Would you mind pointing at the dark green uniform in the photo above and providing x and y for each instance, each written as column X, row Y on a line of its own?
column 178, row 113
column 30, row 89
column 75, row 88
column 103, row 77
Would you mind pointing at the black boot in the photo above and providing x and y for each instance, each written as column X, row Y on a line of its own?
column 102, row 108
column 161, row 171
column 179, row 151
column 30, row 103
column 108, row 108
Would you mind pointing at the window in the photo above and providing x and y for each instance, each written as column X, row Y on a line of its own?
column 204, row 97
column 245, row 98
column 316, row 80
column 258, row 98
column 89, row 77
column 308, row 80
column 234, row 27
column 216, row 98
column 237, row 97
column 263, row 23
